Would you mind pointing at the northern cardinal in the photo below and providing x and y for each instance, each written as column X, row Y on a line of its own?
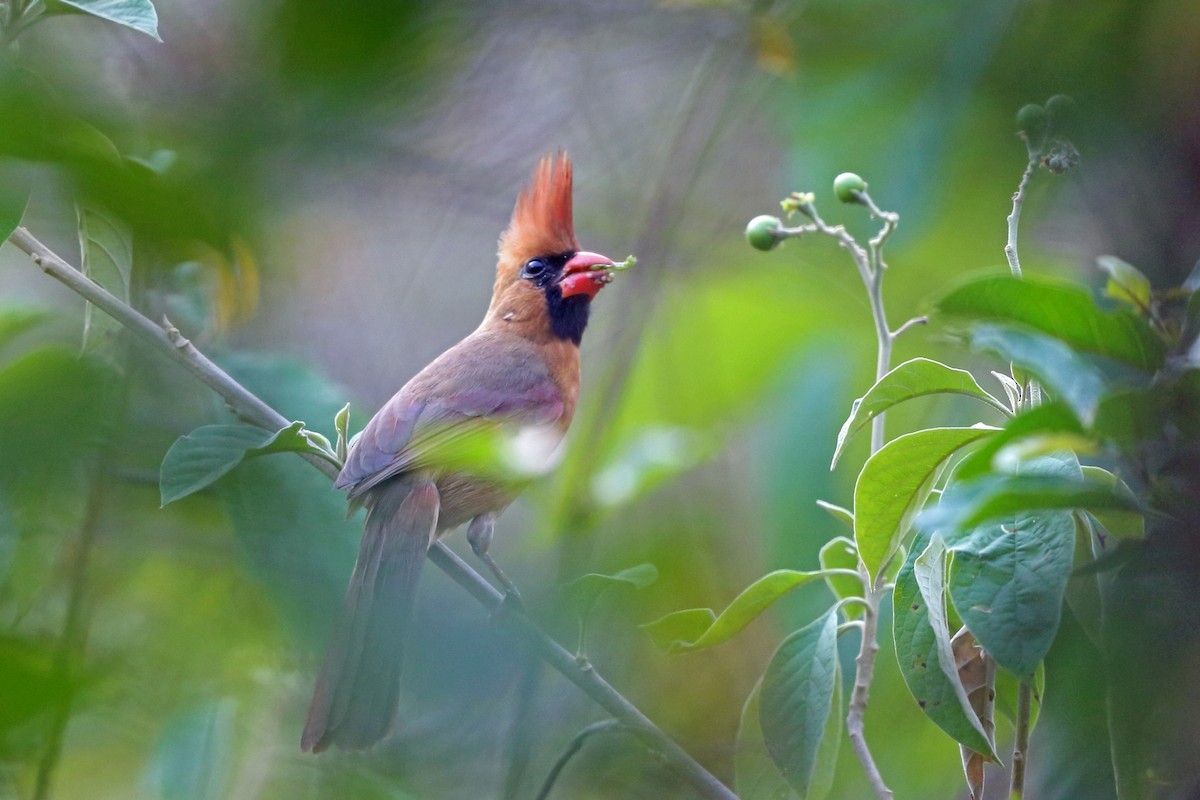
column 519, row 368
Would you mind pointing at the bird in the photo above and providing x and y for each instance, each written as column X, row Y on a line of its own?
column 520, row 369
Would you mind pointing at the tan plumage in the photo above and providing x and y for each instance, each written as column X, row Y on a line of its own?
column 519, row 368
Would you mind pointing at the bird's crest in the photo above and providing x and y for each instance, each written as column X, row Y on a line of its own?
column 541, row 223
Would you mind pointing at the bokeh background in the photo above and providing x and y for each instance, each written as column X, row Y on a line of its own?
column 321, row 191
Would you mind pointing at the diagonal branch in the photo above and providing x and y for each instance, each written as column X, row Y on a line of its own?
column 168, row 341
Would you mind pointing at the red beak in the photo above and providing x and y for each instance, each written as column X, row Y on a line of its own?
column 585, row 274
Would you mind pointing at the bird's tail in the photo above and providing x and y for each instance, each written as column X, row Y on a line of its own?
column 354, row 703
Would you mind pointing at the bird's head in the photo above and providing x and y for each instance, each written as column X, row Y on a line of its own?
column 544, row 282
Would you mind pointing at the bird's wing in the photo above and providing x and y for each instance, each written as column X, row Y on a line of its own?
column 472, row 387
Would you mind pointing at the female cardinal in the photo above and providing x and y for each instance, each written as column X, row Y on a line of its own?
column 519, row 368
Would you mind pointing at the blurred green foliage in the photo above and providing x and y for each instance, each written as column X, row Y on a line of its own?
column 170, row 652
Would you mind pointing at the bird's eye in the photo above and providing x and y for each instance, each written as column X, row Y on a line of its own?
column 534, row 268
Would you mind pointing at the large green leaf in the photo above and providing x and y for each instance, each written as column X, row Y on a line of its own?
column 137, row 14
column 1008, row 581
column 1053, row 418
column 755, row 776
column 699, row 628
column 825, row 767
column 921, row 633
column 894, row 484
column 966, row 504
column 203, row 456
column 1008, row 578
column 1066, row 373
column 798, row 690
column 1066, row 313
column 916, row 378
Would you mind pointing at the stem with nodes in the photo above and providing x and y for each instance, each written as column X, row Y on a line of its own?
column 170, row 342
column 871, row 269
column 1032, row 398
column 1014, row 218
column 1021, row 746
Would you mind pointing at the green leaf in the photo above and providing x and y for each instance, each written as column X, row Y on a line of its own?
column 1121, row 524
column 585, row 590
column 206, row 454
column 921, row 633
column 916, row 378
column 1070, row 376
column 137, row 14
column 1048, row 418
column 106, row 250
column 831, row 741
column 966, row 504
column 894, row 484
column 840, row 553
column 1063, row 312
column 14, row 196
column 755, row 776
column 842, row 515
column 1007, row 583
column 797, row 697
column 680, row 632
column 1126, row 283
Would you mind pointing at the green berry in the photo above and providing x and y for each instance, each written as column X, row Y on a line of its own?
column 847, row 186
column 1058, row 110
column 763, row 232
column 1031, row 121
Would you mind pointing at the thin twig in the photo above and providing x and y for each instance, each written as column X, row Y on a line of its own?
column 1032, row 399
column 576, row 744
column 1014, row 219
column 871, row 268
column 248, row 406
column 864, row 673
column 1021, row 746
column 912, row 323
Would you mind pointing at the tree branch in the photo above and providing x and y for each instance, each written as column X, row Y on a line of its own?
column 246, row 405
